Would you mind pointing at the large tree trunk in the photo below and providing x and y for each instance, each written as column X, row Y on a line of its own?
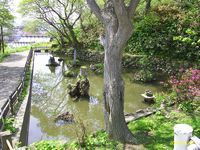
column 116, row 18
column 114, row 89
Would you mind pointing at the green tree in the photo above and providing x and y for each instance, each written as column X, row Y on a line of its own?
column 6, row 20
column 61, row 15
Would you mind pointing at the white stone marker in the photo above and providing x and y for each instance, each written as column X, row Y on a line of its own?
column 182, row 135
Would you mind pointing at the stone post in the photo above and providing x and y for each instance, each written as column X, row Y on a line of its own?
column 83, row 71
column 182, row 135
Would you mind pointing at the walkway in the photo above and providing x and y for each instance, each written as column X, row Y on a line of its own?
column 10, row 72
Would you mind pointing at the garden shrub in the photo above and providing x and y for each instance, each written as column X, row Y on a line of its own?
column 186, row 85
column 157, row 34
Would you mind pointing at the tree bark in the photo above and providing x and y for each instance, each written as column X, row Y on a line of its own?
column 2, row 39
column 114, row 88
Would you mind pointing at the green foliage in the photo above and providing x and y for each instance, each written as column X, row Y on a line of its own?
column 69, row 73
column 8, row 125
column 6, row 17
column 190, row 40
column 47, row 145
column 99, row 140
column 17, row 49
column 169, row 30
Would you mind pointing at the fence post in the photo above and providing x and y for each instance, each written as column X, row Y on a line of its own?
column 11, row 106
column 5, row 137
column 182, row 135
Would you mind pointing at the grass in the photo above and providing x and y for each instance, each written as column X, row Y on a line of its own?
column 156, row 132
column 8, row 51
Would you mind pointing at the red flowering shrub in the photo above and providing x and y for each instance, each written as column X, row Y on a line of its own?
column 186, row 85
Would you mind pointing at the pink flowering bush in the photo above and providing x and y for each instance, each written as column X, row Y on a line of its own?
column 186, row 84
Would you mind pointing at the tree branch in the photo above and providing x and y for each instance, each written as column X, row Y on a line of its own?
column 132, row 7
column 95, row 9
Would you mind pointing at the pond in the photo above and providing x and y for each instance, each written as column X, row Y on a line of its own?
column 50, row 98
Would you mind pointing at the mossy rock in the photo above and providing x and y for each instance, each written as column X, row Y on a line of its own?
column 80, row 89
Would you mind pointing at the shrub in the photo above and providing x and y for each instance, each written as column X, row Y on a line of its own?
column 157, row 34
column 186, row 85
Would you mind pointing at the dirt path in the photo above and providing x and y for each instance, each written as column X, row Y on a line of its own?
column 10, row 73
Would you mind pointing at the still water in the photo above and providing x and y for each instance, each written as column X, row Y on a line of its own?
column 50, row 98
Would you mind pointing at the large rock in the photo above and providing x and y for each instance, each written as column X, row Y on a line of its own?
column 52, row 62
column 80, row 89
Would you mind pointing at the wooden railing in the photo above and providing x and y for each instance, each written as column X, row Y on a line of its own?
column 8, row 107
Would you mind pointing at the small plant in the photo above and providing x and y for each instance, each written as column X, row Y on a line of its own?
column 8, row 125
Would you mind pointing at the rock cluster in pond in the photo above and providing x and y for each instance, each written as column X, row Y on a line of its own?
column 67, row 117
column 52, row 62
column 80, row 89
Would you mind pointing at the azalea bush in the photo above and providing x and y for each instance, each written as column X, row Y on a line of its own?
column 186, row 85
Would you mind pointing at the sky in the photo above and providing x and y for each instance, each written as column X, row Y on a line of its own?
column 14, row 6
